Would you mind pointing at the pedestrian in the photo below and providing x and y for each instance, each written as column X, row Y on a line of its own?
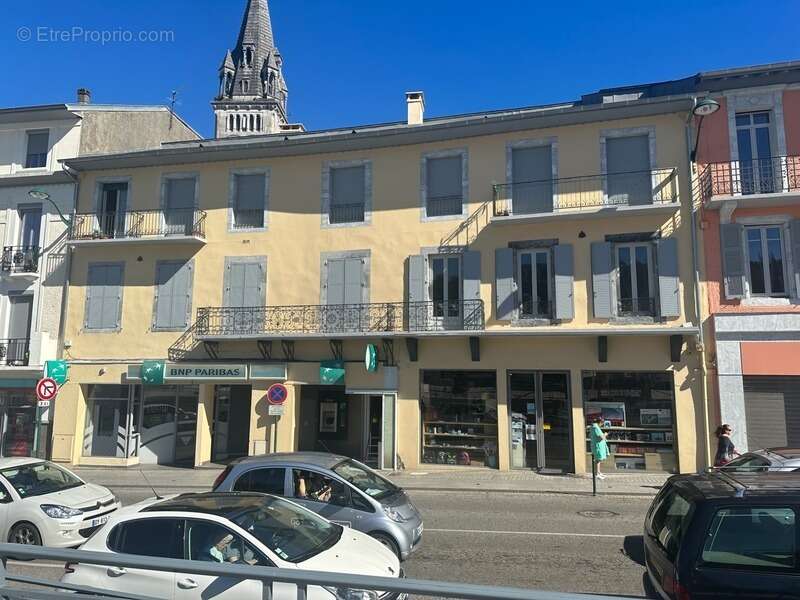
column 725, row 448
column 599, row 445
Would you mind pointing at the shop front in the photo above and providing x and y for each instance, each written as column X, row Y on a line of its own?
column 24, row 425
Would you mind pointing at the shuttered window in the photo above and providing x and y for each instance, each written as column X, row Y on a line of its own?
column 348, row 194
column 179, row 205
column 249, row 200
column 444, row 189
column 36, row 156
column 628, row 168
column 532, row 174
column 245, row 284
column 635, row 279
column 344, row 283
column 173, row 295
column 104, row 296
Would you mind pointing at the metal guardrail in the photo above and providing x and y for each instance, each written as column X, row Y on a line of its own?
column 772, row 175
column 15, row 352
column 268, row 576
column 20, row 259
column 346, row 213
column 635, row 188
column 129, row 224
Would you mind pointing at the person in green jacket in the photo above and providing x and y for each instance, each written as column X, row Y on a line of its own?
column 599, row 445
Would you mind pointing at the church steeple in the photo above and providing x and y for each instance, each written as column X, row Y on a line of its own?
column 252, row 92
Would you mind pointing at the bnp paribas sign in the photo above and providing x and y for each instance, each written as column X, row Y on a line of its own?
column 156, row 372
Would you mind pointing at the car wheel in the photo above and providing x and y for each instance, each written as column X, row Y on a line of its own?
column 25, row 533
column 388, row 542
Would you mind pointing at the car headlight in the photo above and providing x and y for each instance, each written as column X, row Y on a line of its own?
column 56, row 511
column 393, row 514
column 341, row 594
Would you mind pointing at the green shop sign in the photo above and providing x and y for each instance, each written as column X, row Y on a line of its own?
column 57, row 370
column 157, row 372
column 153, row 372
column 331, row 372
column 371, row 358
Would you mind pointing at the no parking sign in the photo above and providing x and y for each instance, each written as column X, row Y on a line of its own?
column 46, row 389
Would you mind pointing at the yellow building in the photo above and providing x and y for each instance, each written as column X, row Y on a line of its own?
column 517, row 273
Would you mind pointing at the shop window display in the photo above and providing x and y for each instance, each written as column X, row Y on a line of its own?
column 459, row 418
column 637, row 410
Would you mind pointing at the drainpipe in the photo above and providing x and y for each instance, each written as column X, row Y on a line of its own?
column 697, row 296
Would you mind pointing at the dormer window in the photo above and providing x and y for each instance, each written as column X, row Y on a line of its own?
column 248, row 57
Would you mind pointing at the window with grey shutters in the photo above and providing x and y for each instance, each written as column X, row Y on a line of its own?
column 532, row 173
column 179, row 205
column 628, row 168
column 173, row 295
column 444, row 186
column 249, row 200
column 733, row 267
column 347, row 194
column 602, row 271
column 416, row 309
column 345, row 290
column 564, row 275
column 36, row 154
column 471, row 266
column 505, row 295
column 104, row 296
column 245, row 284
column 668, row 281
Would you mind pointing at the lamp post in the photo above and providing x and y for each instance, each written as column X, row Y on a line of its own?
column 702, row 108
column 42, row 196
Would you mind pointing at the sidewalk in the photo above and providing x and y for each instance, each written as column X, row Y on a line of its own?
column 167, row 479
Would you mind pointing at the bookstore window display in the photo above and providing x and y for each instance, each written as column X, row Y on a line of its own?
column 638, row 416
column 459, row 418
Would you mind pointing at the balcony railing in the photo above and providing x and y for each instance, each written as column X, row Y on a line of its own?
column 15, row 352
column 346, row 213
column 248, row 219
column 548, row 196
column 190, row 222
column 335, row 319
column 773, row 175
column 443, row 206
column 631, row 307
column 20, row 259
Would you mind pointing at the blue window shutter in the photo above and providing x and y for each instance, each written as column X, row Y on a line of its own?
column 602, row 269
column 563, row 270
column 732, row 259
column 794, row 233
column 505, row 294
column 668, row 286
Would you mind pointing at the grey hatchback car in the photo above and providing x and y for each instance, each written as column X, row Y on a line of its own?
column 339, row 488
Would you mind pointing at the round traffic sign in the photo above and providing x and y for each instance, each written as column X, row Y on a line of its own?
column 277, row 393
column 46, row 389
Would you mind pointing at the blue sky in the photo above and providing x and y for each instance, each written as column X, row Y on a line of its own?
column 350, row 62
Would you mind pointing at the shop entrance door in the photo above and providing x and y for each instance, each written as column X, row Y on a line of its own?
column 231, row 422
column 106, row 419
column 18, row 424
column 540, row 421
column 186, row 426
column 373, row 431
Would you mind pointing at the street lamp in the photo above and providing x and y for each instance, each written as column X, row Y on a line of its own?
column 702, row 108
column 41, row 195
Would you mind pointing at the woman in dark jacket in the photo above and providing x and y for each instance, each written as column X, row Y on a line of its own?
column 725, row 448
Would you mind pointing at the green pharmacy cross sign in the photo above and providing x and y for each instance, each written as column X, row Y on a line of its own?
column 153, row 372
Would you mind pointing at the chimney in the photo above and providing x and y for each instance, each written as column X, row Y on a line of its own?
column 416, row 107
column 84, row 96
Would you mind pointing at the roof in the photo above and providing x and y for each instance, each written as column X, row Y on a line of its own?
column 717, row 484
column 221, row 504
column 314, row 459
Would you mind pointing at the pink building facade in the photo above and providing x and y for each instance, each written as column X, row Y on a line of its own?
column 748, row 187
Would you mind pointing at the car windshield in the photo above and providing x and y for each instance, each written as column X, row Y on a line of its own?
column 365, row 479
column 748, row 462
column 41, row 478
column 293, row 533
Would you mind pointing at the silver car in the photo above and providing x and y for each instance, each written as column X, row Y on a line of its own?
column 768, row 459
column 339, row 488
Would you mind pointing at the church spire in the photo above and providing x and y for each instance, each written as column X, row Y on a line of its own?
column 252, row 92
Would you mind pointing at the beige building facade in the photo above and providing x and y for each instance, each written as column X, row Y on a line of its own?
column 517, row 275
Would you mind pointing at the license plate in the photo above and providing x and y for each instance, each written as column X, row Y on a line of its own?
column 419, row 530
column 99, row 521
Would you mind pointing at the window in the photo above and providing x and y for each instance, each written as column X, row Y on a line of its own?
column 265, row 481
column 179, row 205
column 159, row 538
column 765, row 262
column 38, row 142
column 348, row 194
column 628, row 179
column 104, row 296
column 532, row 175
column 755, row 537
column 444, row 186
column 173, row 295
column 312, row 486
column 211, row 542
column 534, row 283
column 756, row 167
column 30, row 218
column 111, row 209
column 670, row 522
column 445, row 286
column 635, row 279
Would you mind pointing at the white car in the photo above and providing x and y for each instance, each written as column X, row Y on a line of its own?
column 44, row 504
column 239, row 528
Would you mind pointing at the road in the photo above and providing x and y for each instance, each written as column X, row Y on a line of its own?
column 547, row 541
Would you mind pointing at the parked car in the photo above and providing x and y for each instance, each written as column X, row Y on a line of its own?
column 725, row 535
column 240, row 528
column 768, row 459
column 45, row 504
column 340, row 489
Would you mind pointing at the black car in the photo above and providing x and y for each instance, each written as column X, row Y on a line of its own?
column 725, row 535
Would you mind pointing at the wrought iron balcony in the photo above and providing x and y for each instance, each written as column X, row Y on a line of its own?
column 20, row 259
column 15, row 352
column 337, row 319
column 138, row 224
column 773, row 175
column 444, row 205
column 346, row 213
column 248, row 219
column 658, row 187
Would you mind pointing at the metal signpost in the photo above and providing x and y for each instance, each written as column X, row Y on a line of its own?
column 277, row 394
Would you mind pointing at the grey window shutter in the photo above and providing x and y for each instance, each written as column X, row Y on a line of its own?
column 668, row 288
column 444, row 176
column 165, row 274
column 532, row 173
column 471, row 265
column 236, row 285
column 505, row 295
column 794, row 233
column 94, row 297
column 415, row 276
column 250, row 191
column 335, row 281
column 353, row 292
column 563, row 271
column 347, row 185
column 180, row 193
column 732, row 259
column 253, row 292
column 602, row 269
column 111, row 297
column 628, row 168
